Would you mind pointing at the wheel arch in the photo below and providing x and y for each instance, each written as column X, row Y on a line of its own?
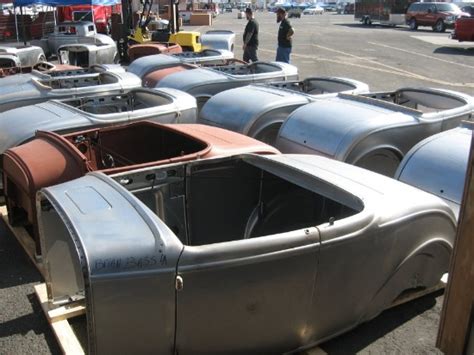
column 422, row 268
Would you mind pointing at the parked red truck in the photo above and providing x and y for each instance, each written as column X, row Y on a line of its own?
column 464, row 29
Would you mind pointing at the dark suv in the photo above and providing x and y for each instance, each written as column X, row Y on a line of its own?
column 438, row 15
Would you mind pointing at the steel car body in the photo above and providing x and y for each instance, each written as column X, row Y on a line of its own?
column 218, row 39
column 46, row 70
column 148, row 64
column 151, row 48
column 109, row 108
column 110, row 150
column 438, row 165
column 67, row 33
column 204, row 83
column 86, row 54
column 28, row 89
column 28, row 56
column 293, row 249
column 373, row 130
column 259, row 110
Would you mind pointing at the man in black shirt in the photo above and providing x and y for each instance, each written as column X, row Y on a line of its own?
column 250, row 37
column 285, row 32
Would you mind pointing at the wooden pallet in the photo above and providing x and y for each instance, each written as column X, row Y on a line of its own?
column 25, row 240
column 58, row 318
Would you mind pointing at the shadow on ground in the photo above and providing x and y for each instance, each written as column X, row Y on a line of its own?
column 367, row 333
column 455, row 50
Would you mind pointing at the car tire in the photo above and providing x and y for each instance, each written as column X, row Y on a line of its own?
column 439, row 26
column 367, row 21
column 413, row 25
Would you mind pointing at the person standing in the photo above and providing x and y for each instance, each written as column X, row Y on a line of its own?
column 285, row 33
column 250, row 45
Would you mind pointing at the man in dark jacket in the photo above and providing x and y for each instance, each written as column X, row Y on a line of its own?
column 250, row 37
column 285, row 32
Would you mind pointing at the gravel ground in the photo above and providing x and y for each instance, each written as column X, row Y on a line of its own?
column 385, row 58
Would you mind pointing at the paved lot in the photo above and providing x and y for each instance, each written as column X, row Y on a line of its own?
column 385, row 58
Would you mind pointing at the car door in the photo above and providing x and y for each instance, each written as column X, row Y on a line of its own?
column 430, row 15
column 250, row 295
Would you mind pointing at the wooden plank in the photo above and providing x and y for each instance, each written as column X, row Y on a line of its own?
column 25, row 240
column 457, row 316
column 57, row 317
column 417, row 294
column 66, row 338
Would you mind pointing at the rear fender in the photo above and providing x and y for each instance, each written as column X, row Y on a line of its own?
column 423, row 268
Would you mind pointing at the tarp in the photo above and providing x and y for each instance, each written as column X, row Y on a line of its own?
column 65, row 2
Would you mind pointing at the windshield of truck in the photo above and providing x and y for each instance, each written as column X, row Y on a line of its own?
column 447, row 7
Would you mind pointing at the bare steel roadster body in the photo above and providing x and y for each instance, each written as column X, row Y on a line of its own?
column 373, row 130
column 259, row 110
column 272, row 248
column 438, row 165
column 27, row 89
column 65, row 115
column 203, row 83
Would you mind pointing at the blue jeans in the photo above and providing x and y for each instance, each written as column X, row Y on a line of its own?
column 283, row 54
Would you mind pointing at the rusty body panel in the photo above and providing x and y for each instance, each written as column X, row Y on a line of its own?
column 152, row 79
column 51, row 158
column 141, row 50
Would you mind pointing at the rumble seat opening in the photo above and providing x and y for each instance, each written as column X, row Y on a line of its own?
column 234, row 200
column 425, row 102
column 78, row 81
column 131, row 101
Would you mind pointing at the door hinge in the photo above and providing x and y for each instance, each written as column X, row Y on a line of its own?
column 179, row 283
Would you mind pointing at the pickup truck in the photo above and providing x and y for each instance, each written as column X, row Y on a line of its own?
column 464, row 29
column 78, row 43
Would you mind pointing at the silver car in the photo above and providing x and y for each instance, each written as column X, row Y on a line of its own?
column 160, row 105
column 23, row 90
column 203, row 83
column 259, row 110
column 145, row 65
column 244, row 254
column 438, row 165
column 373, row 130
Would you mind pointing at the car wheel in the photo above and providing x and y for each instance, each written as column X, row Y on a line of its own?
column 413, row 25
column 367, row 21
column 440, row 26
